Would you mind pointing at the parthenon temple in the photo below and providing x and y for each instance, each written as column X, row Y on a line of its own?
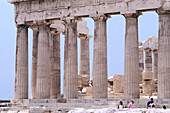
column 49, row 18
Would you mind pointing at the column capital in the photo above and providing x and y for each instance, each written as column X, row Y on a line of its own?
column 71, row 20
column 162, row 12
column 155, row 51
column 34, row 27
column 100, row 17
column 44, row 26
column 22, row 25
column 147, row 49
column 84, row 37
column 42, row 22
column 57, row 26
column 131, row 15
column 54, row 31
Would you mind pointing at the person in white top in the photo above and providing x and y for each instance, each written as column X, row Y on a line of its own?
column 120, row 106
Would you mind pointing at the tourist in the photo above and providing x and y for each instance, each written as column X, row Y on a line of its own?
column 150, row 103
column 120, row 106
column 131, row 104
column 164, row 107
column 153, row 106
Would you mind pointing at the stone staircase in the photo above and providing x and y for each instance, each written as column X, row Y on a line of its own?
column 63, row 106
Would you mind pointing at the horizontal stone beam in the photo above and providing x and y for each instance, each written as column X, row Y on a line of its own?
column 30, row 11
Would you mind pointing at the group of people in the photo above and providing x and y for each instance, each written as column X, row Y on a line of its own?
column 150, row 105
column 121, row 106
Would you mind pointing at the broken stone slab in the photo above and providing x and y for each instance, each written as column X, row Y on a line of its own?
column 148, row 87
column 58, row 26
column 151, row 43
column 110, row 84
column 62, row 101
column 82, row 28
column 118, row 86
column 155, row 85
column 4, row 111
column 89, row 90
column 141, row 88
column 80, row 82
column 12, row 111
column 147, row 75
column 24, row 111
column 83, row 81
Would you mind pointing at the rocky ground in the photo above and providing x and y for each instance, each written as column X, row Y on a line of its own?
column 114, row 110
column 82, row 110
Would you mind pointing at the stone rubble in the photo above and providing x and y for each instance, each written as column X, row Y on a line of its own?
column 115, row 110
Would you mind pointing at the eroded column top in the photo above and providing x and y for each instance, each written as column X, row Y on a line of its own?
column 151, row 43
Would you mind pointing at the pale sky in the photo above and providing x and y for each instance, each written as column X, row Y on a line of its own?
column 148, row 26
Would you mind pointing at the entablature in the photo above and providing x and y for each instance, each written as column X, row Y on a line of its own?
column 33, row 10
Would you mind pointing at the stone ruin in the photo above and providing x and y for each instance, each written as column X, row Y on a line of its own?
column 148, row 81
column 150, row 74
column 115, row 86
column 49, row 18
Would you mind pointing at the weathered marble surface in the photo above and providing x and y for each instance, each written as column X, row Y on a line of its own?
column 33, row 10
column 131, row 65
column 118, row 83
column 21, row 66
column 34, row 62
column 164, row 57
column 82, row 110
column 115, row 110
column 43, row 64
column 70, row 61
column 100, row 59
column 141, row 61
column 151, row 43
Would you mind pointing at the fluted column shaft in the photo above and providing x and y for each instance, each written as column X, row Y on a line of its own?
column 21, row 66
column 34, row 62
column 148, row 60
column 131, row 72
column 84, row 57
column 100, row 59
column 141, row 64
column 155, row 65
column 43, row 64
column 55, row 65
column 164, row 57
column 70, row 61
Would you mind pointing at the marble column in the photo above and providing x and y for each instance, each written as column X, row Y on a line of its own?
column 21, row 65
column 55, row 65
column 70, row 61
column 131, row 66
column 164, row 56
column 148, row 74
column 43, row 64
column 155, row 64
column 84, row 56
column 100, row 59
column 141, row 64
column 148, row 60
column 34, row 62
